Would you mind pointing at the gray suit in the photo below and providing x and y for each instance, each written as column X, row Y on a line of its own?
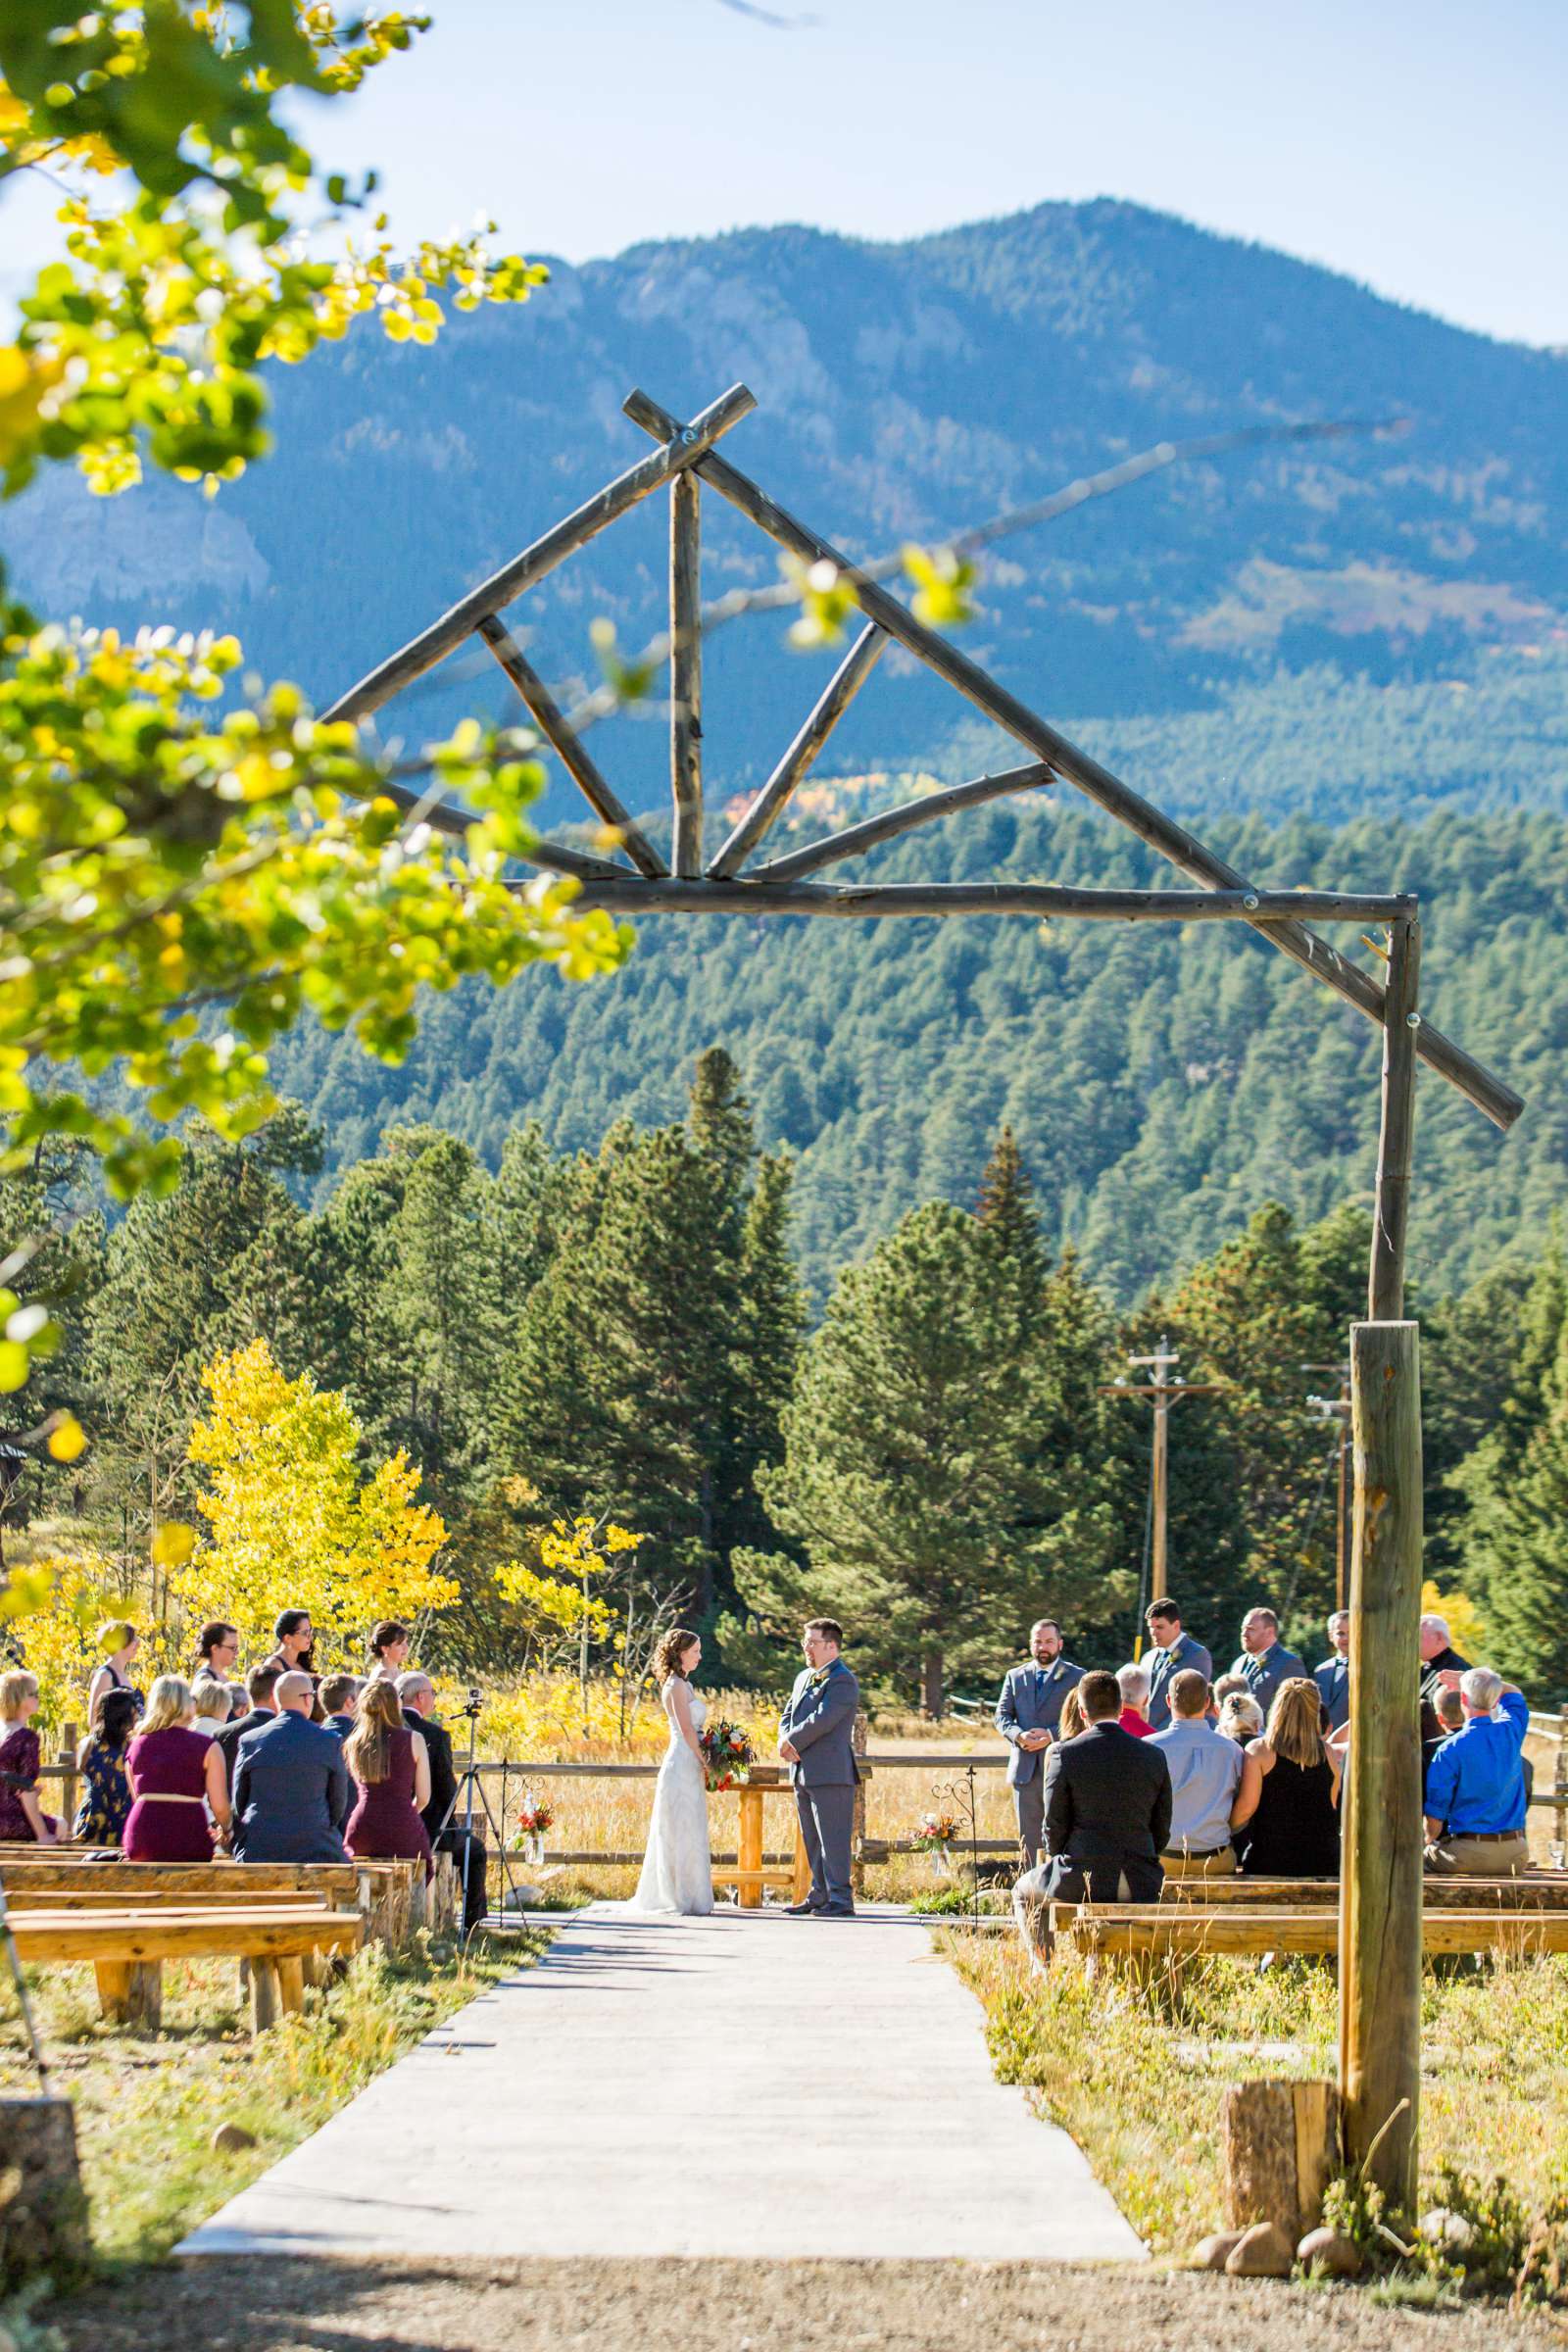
column 1264, row 1672
column 1333, row 1680
column 819, row 1721
column 291, row 1794
column 1164, row 1665
column 1032, row 1699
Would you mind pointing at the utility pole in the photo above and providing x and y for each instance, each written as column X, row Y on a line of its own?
column 1164, row 1395
column 1328, row 1409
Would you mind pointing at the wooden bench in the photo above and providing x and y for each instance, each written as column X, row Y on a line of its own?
column 1538, row 1890
column 127, row 1949
column 1164, row 1930
column 391, row 1895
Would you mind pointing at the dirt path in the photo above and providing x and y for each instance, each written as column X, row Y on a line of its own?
column 255, row 2304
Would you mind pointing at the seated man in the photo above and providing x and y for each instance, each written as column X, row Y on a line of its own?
column 291, row 1786
column 260, row 1692
column 1475, row 1801
column 1214, row 1785
column 1108, row 1808
column 449, row 1834
column 337, row 1695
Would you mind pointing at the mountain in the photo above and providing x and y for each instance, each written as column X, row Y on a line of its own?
column 905, row 390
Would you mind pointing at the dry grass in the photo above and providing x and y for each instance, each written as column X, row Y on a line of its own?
column 1136, row 2077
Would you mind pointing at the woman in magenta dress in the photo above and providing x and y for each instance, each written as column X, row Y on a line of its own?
column 23, row 1820
column 391, row 1765
column 176, row 1778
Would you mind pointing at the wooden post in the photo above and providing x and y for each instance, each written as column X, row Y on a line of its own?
column 1282, row 2147
column 1160, row 1484
column 1380, row 1892
column 686, row 674
column 69, row 1737
column 44, row 2213
column 859, row 1734
column 1559, row 1790
column 750, row 1847
column 1401, row 1022
column 267, row 2003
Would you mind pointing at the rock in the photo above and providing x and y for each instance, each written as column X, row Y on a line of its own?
column 1325, row 2251
column 1261, row 2253
column 522, row 1897
column 230, row 2138
column 1211, row 2253
column 1443, row 2227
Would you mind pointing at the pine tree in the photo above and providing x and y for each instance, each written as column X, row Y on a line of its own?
column 1009, row 1226
column 1516, row 1554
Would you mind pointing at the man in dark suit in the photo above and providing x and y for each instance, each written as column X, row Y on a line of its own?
column 1333, row 1677
column 1441, row 1669
column 1170, row 1652
column 291, row 1786
column 260, row 1685
column 1108, row 1807
column 1028, row 1714
column 448, row 1834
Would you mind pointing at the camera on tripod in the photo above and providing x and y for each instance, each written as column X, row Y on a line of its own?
column 475, row 1701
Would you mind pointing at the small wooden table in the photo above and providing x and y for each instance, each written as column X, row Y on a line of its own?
column 749, row 1874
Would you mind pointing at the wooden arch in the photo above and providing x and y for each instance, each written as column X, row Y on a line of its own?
column 1379, row 1975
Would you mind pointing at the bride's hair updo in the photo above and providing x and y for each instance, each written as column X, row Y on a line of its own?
column 670, row 1652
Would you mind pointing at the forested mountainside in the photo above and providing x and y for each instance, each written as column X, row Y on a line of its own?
column 905, row 390
column 1162, row 1081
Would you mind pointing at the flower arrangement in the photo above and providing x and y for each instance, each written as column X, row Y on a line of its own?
column 534, row 1817
column 935, row 1833
column 729, row 1754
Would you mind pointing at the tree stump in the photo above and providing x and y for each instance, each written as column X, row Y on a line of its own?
column 43, row 2211
column 1282, row 2149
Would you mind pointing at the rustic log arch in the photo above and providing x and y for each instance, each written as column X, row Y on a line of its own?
column 1381, row 1913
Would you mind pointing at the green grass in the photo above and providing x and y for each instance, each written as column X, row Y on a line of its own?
column 146, row 2109
column 1136, row 2076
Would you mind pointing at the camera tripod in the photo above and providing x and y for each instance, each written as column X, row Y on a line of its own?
column 471, row 1786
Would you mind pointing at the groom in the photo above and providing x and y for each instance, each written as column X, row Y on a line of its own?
column 814, row 1740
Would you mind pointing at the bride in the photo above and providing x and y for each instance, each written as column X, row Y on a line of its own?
column 677, row 1873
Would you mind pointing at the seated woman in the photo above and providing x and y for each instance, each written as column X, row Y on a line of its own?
column 23, row 1820
column 105, row 1806
column 391, row 1770
column 1071, row 1720
column 1132, row 1682
column 1295, row 1833
column 214, row 1704
column 176, row 1778
column 1241, row 1718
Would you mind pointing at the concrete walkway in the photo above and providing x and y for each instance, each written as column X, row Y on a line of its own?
column 741, row 2085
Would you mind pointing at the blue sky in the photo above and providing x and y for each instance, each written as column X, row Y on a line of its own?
column 1417, row 145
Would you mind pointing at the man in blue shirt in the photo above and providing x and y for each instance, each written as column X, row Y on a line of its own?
column 1171, row 1652
column 1333, row 1677
column 1029, row 1717
column 1266, row 1662
column 1475, row 1801
column 1215, row 1785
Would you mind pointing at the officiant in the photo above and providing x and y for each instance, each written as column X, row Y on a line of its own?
column 1029, row 1717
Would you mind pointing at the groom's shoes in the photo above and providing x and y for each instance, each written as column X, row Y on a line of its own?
column 804, row 1910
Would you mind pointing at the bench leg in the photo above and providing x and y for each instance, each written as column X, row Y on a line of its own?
column 419, row 1902
column 114, row 1989
column 144, row 2008
column 291, row 1984
column 266, row 1998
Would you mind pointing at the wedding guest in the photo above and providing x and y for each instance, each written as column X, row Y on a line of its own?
column 176, row 1779
column 1073, row 1723
column 291, row 1784
column 1133, row 1683
column 1228, row 1685
column 1108, row 1808
column 214, row 1704
column 1170, row 1652
column 295, row 1637
column 1029, row 1717
column 216, row 1648
column 337, row 1696
column 389, row 1648
column 260, row 1686
column 391, row 1767
column 1449, row 1708
column 1439, row 1662
column 448, row 1834
column 1295, row 1832
column 1475, row 1802
column 104, row 1807
column 1214, row 1785
column 1265, row 1663
column 23, row 1820
column 120, row 1642
column 1333, row 1677
column 1241, row 1718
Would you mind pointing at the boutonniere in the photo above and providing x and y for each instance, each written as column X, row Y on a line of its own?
column 819, row 1675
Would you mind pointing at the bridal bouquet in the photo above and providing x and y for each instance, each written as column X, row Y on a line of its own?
column 729, row 1755
column 934, row 1833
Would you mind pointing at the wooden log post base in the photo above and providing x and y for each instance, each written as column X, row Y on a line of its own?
column 43, row 2211
column 1381, row 1891
column 1281, row 2150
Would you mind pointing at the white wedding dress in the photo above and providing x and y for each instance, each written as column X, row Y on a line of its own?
column 677, row 1871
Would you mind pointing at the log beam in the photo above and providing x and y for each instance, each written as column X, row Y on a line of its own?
column 819, row 725
column 1381, row 1893
column 686, row 673
column 854, row 839
column 569, row 748
column 626, row 895
column 1401, row 1029
column 1185, row 851
column 681, row 449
